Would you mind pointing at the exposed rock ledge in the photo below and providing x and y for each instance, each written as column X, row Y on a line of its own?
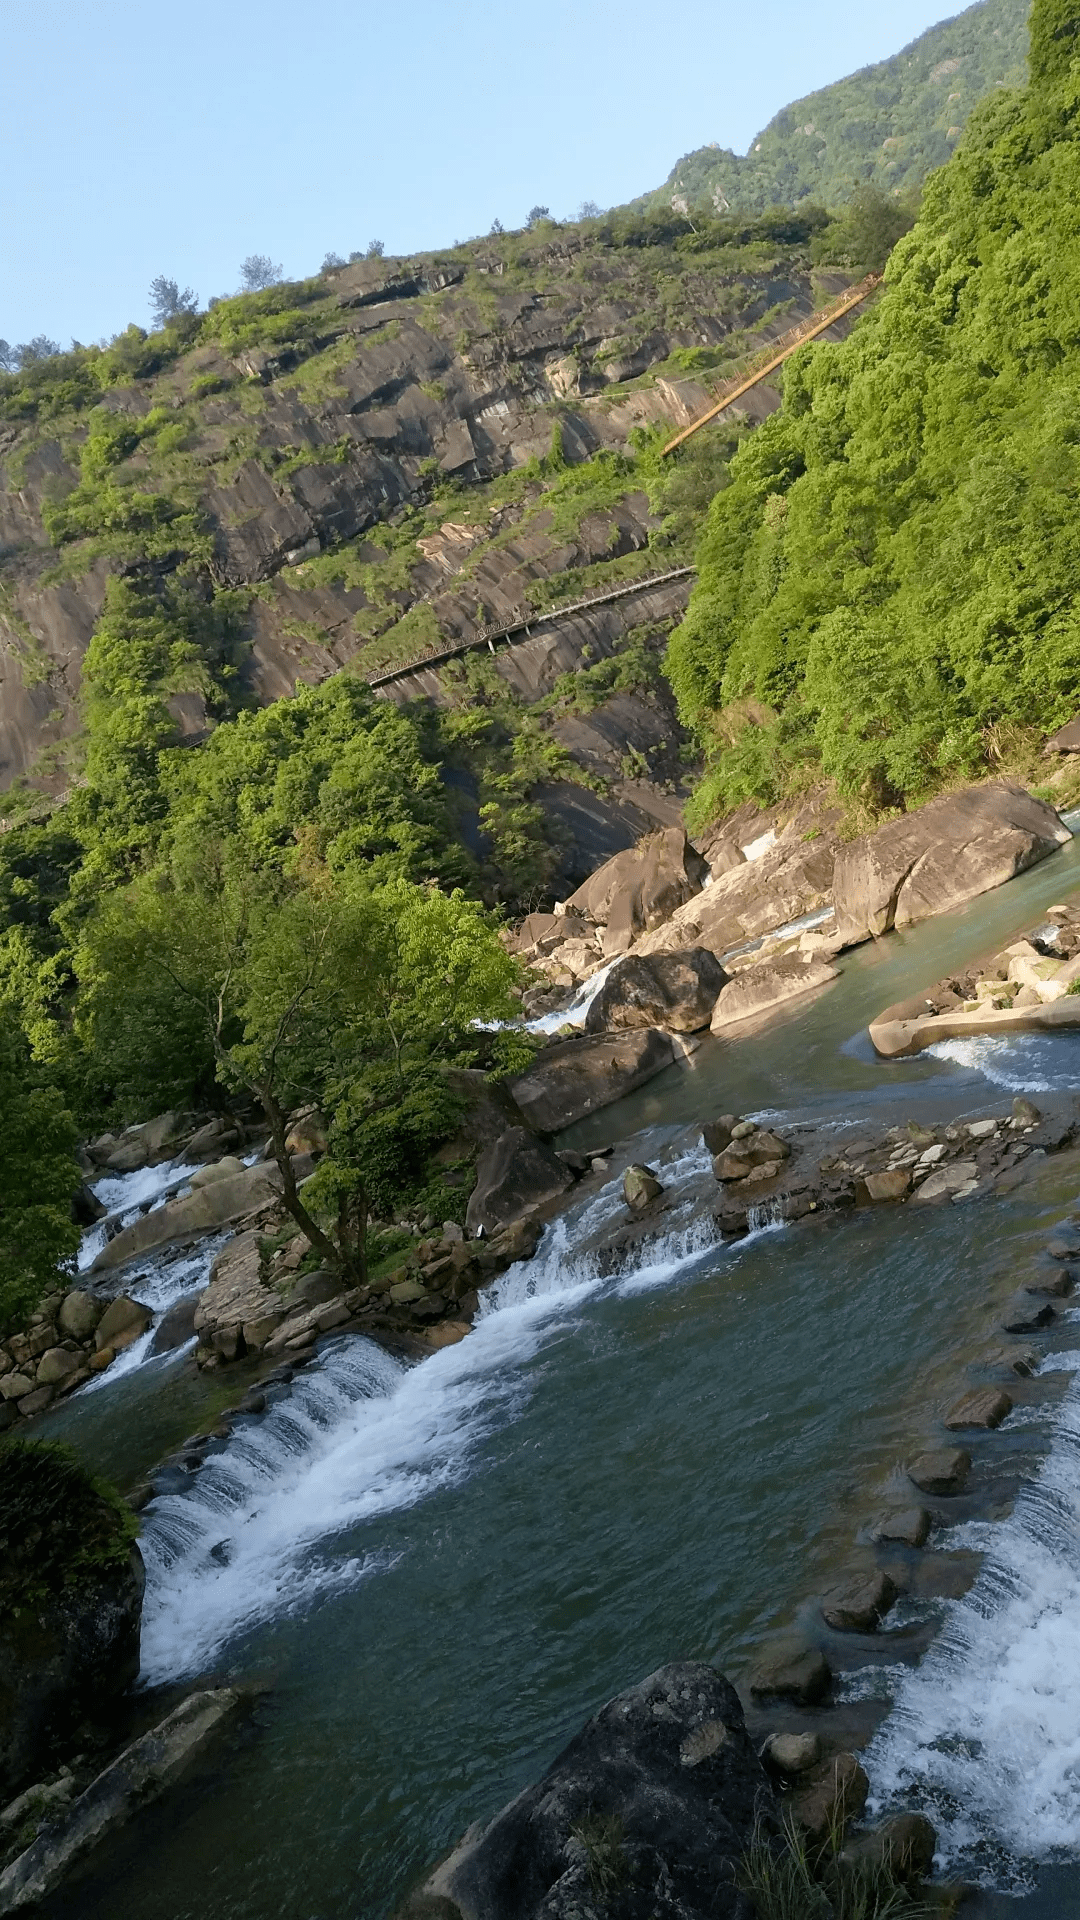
column 1031, row 986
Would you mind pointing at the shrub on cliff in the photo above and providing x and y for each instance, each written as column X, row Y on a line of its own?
column 894, row 571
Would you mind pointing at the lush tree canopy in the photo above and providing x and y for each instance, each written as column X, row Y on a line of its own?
column 38, row 1176
column 891, row 580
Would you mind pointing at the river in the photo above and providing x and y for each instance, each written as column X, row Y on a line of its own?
column 438, row 1572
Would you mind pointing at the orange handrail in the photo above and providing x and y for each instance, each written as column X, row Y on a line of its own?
column 780, row 351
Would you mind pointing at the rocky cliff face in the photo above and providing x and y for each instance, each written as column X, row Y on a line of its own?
column 372, row 465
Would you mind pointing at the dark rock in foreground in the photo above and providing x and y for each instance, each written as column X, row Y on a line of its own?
column 71, row 1588
column 646, row 1815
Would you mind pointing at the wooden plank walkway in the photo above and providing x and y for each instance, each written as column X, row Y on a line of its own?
column 780, row 351
column 528, row 622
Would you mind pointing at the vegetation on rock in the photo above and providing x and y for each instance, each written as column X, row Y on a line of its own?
column 888, row 588
column 889, row 125
column 58, row 1525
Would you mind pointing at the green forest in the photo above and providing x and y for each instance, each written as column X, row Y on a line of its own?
column 887, row 589
column 886, row 600
column 887, row 126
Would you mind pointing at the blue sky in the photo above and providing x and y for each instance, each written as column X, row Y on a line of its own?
column 138, row 140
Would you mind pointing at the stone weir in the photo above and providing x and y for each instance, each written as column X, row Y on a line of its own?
column 761, row 1176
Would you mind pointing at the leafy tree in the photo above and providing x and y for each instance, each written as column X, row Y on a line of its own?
column 536, row 214
column 497, row 227
column 589, row 210
column 866, row 231
column 39, row 348
column 331, row 260
column 167, row 302
column 257, row 272
column 38, row 1178
column 9, row 357
column 375, row 250
column 324, row 989
column 894, row 570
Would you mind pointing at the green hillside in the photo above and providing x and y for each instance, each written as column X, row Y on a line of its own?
column 890, row 124
column 892, row 577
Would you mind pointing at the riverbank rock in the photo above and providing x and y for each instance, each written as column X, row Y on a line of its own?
column 903, row 1846
column 860, row 1605
column 139, row 1775
column 71, row 1587
column 640, row 1188
column 122, row 1322
column 934, row 859
column 214, row 1205
column 791, row 1671
column 649, row 1810
column 944, row 1471
column 515, row 1174
column 640, row 888
column 576, row 1077
column 984, row 1407
column 676, row 991
column 768, row 984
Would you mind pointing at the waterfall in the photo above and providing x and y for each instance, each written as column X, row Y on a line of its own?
column 985, row 1733
column 263, row 1528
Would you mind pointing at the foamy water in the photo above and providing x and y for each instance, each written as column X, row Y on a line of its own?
column 1020, row 1062
column 985, row 1733
column 260, row 1530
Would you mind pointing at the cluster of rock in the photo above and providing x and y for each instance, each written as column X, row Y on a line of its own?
column 1030, row 985
column 666, row 906
column 70, row 1337
column 252, row 1306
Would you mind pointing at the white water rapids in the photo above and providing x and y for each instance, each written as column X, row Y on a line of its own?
column 358, row 1434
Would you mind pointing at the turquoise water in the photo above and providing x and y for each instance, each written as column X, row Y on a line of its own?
column 438, row 1572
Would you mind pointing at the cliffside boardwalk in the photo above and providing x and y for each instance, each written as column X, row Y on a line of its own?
column 525, row 624
column 778, row 353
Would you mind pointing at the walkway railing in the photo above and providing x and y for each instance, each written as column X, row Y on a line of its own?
column 777, row 353
column 524, row 623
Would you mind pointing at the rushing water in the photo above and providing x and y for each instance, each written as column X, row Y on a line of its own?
column 440, row 1570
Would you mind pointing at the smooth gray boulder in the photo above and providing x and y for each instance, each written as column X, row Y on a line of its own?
column 676, row 991
column 200, row 1211
column 515, row 1174
column 768, row 984
column 648, row 1811
column 575, row 1077
column 934, row 859
column 640, row 888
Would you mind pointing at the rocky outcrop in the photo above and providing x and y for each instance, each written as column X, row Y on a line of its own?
column 138, row 1776
column 759, row 989
column 932, row 860
column 640, row 889
column 575, row 1077
column 648, row 1812
column 71, row 1587
column 1031, row 986
column 676, row 991
column 514, row 1175
column 215, row 1204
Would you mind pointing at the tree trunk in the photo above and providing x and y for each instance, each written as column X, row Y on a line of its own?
column 336, row 1257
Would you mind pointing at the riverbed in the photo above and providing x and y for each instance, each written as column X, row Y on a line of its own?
column 438, row 1572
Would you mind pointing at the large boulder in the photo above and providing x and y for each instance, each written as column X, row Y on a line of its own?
column 768, row 984
column 647, row 1812
column 575, row 1077
column 676, row 991
column 936, row 858
column 198, row 1212
column 640, row 888
column 237, row 1296
column 514, row 1175
column 71, row 1587
column 752, row 898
